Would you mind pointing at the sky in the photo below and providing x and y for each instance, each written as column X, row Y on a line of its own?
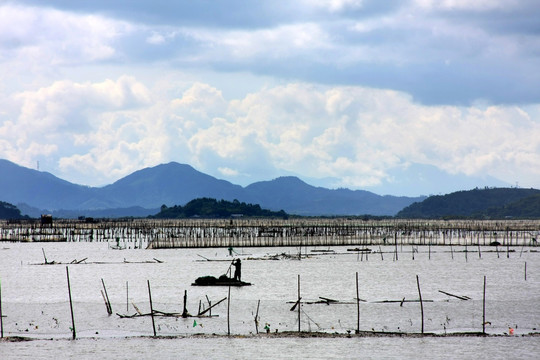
column 360, row 94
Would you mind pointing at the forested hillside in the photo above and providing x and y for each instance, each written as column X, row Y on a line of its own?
column 9, row 211
column 212, row 208
column 477, row 203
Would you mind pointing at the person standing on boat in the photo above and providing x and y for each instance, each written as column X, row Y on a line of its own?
column 237, row 269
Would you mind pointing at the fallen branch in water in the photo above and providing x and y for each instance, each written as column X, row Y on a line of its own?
column 456, row 296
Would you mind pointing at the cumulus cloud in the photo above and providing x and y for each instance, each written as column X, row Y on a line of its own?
column 354, row 134
column 421, row 47
column 59, row 120
column 357, row 88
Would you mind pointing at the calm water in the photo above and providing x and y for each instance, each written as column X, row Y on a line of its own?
column 35, row 302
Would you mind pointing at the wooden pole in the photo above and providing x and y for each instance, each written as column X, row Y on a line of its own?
column 209, row 310
column 71, row 305
column 45, row 257
column 421, row 303
column 525, row 277
column 185, row 312
column 107, row 301
column 127, row 296
column 229, row 312
column 257, row 317
column 151, row 308
column 299, row 305
column 484, row 308
column 210, row 306
column 357, row 306
column 1, row 317
column 395, row 240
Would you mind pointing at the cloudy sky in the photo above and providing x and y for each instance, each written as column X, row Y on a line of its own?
column 342, row 93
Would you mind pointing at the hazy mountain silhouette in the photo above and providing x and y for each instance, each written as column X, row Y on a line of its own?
column 169, row 184
column 296, row 197
column 176, row 184
column 40, row 189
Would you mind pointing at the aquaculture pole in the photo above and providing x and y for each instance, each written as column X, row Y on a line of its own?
column 395, row 251
column 299, row 305
column 1, row 318
column 71, row 305
column 257, row 317
column 525, row 279
column 357, row 306
column 229, row 312
column 421, row 304
column 484, row 308
column 107, row 301
column 151, row 308
column 185, row 313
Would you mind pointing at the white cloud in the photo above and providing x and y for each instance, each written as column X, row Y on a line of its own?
column 44, row 37
column 57, row 106
column 355, row 134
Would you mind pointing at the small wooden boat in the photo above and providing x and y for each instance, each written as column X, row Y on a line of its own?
column 223, row 280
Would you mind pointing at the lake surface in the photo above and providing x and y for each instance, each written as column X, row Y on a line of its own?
column 35, row 302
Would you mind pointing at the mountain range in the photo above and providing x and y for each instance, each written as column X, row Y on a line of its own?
column 143, row 192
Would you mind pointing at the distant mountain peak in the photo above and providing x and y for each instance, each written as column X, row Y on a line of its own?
column 174, row 183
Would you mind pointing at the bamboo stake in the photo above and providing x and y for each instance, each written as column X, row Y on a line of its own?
column 395, row 240
column 299, row 305
column 357, row 306
column 71, row 305
column 421, row 303
column 185, row 313
column 211, row 306
column 1, row 316
column 127, row 296
column 525, row 276
column 151, row 308
column 257, row 317
column 107, row 301
column 229, row 312
column 43, row 250
column 484, row 309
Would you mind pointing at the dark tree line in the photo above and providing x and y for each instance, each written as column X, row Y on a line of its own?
column 212, row 208
column 495, row 203
column 9, row 211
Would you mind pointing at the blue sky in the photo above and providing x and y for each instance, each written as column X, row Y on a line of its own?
column 343, row 93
